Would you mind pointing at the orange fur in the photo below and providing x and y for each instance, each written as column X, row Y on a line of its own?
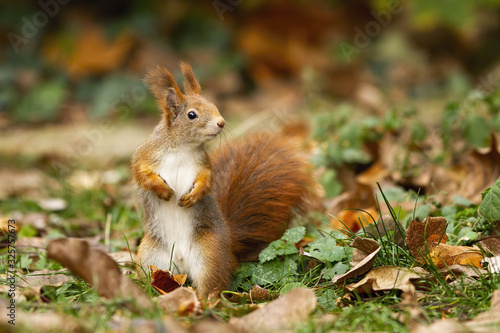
column 259, row 184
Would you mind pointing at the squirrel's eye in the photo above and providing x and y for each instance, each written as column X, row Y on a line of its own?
column 192, row 115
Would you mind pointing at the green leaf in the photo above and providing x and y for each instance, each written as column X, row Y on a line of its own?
column 294, row 235
column 326, row 250
column 461, row 201
column 327, row 299
column 490, row 206
column 330, row 183
column 477, row 131
column 339, row 268
column 42, row 103
column 289, row 286
column 274, row 271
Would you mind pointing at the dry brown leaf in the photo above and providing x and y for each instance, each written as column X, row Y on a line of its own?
column 446, row 255
column 453, row 272
column 419, row 233
column 278, row 314
column 376, row 173
column 164, row 281
column 491, row 244
column 211, row 326
column 388, row 278
column 32, row 284
column 257, row 294
column 96, row 268
column 365, row 251
column 182, row 302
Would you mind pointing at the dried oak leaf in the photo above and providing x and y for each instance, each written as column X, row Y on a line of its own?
column 164, row 281
column 181, row 301
column 365, row 251
column 96, row 268
column 432, row 229
column 279, row 314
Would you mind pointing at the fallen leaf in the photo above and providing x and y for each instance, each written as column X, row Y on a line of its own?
column 362, row 197
column 387, row 278
column 453, row 272
column 96, row 268
column 491, row 244
column 182, row 302
column 432, row 229
column 256, row 294
column 446, row 255
column 211, row 326
column 164, row 281
column 365, row 251
column 279, row 314
column 493, row 264
column 44, row 277
column 375, row 173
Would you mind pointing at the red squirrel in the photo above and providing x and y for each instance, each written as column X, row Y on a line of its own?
column 207, row 213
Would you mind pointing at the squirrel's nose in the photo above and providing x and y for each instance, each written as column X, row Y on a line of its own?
column 221, row 122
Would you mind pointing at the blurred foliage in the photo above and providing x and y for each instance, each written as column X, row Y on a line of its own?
column 84, row 55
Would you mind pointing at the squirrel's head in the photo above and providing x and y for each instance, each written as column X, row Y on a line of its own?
column 190, row 118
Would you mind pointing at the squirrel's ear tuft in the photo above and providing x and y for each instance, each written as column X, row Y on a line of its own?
column 191, row 85
column 164, row 88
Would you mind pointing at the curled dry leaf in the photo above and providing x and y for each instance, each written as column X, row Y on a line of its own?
column 278, row 314
column 181, row 301
column 96, row 268
column 432, row 229
column 388, row 278
column 164, row 281
column 455, row 271
column 365, row 251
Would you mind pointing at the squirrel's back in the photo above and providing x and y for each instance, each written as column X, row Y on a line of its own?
column 260, row 184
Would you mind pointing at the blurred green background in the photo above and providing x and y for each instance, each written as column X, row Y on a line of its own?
column 79, row 61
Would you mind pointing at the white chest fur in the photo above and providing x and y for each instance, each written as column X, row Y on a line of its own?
column 174, row 225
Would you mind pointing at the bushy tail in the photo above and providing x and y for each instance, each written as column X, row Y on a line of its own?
column 260, row 184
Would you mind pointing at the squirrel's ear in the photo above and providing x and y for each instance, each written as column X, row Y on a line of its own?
column 191, row 85
column 165, row 89
column 172, row 102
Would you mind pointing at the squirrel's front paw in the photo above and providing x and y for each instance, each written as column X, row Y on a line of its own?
column 191, row 198
column 163, row 191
